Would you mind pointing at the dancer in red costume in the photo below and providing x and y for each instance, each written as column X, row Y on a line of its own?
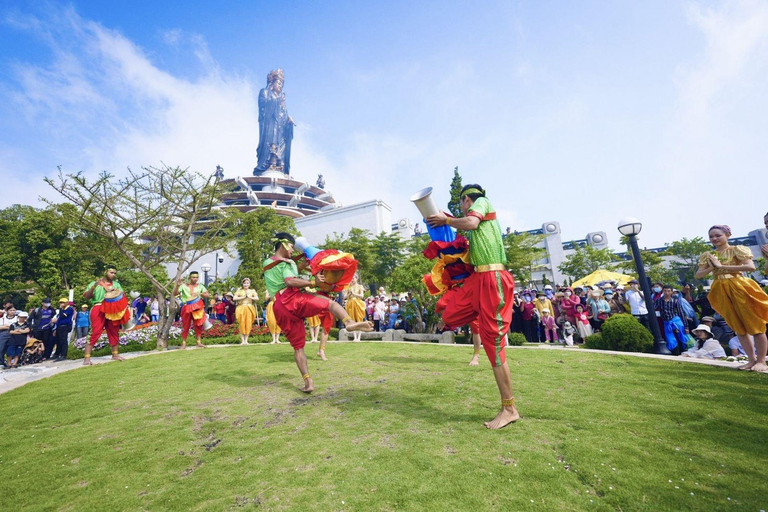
column 486, row 295
column 109, row 310
column 193, row 296
column 293, row 304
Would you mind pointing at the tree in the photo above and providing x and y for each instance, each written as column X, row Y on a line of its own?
column 522, row 252
column 454, row 205
column 584, row 260
column 687, row 253
column 255, row 230
column 388, row 254
column 655, row 268
column 154, row 218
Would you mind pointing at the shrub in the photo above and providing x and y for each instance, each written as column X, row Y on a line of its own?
column 463, row 339
column 516, row 339
column 623, row 332
column 597, row 342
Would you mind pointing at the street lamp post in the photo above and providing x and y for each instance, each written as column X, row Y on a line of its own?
column 630, row 227
column 205, row 268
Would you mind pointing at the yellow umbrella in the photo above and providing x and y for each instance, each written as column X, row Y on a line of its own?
column 599, row 276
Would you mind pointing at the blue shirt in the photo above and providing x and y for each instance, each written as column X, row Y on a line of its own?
column 65, row 317
column 83, row 319
column 45, row 317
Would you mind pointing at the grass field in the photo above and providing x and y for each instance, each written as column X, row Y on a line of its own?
column 391, row 426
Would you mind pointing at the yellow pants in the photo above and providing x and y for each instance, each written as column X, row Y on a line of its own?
column 245, row 315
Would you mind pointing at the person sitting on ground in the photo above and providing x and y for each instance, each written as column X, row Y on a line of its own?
column 568, row 332
column 707, row 347
column 33, row 352
column 550, row 328
column 18, row 339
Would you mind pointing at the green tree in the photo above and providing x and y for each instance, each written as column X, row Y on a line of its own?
column 586, row 259
column 686, row 256
column 655, row 268
column 388, row 254
column 255, row 230
column 154, row 218
column 523, row 252
column 454, row 205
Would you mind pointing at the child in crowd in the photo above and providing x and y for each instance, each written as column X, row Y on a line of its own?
column 18, row 339
column 582, row 322
column 707, row 347
column 549, row 326
column 568, row 331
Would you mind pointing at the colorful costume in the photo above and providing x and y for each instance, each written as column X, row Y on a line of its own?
column 246, row 311
column 292, row 305
column 355, row 306
column 271, row 322
column 486, row 295
column 738, row 299
column 192, row 309
column 107, row 315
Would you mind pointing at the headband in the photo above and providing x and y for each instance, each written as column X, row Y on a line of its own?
column 472, row 191
column 722, row 227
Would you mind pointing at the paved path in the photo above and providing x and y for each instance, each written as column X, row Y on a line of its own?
column 17, row 377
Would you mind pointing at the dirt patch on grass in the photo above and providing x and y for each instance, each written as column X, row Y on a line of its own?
column 192, row 468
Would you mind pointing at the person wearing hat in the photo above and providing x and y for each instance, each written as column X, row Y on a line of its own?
column 636, row 300
column 64, row 317
column 549, row 326
column 613, row 302
column 568, row 332
column 19, row 331
column 600, row 308
column 42, row 329
column 82, row 322
column 707, row 347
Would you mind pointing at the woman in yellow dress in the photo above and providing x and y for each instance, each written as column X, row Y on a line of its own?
column 738, row 299
column 355, row 306
column 314, row 328
column 274, row 329
column 245, row 298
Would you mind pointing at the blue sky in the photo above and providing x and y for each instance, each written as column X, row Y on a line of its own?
column 580, row 112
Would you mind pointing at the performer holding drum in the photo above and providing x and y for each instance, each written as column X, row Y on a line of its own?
column 192, row 295
column 109, row 310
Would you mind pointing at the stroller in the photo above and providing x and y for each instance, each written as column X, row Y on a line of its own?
column 33, row 352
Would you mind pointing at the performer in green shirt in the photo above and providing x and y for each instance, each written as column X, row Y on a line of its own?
column 192, row 307
column 96, row 293
column 292, row 304
column 485, row 297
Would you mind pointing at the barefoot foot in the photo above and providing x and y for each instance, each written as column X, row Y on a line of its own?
column 759, row 367
column 87, row 362
column 118, row 358
column 321, row 354
column 200, row 345
column 475, row 360
column 308, row 386
column 184, row 345
column 360, row 326
column 748, row 366
column 506, row 416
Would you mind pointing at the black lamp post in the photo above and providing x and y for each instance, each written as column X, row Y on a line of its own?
column 205, row 268
column 630, row 227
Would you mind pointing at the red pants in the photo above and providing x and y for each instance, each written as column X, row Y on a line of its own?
column 487, row 298
column 187, row 321
column 99, row 322
column 291, row 307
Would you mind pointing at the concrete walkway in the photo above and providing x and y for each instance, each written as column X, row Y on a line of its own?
column 17, row 377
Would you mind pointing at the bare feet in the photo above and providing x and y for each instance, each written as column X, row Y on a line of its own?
column 244, row 343
column 360, row 326
column 117, row 358
column 475, row 360
column 308, row 386
column 200, row 345
column 748, row 366
column 87, row 362
column 506, row 416
column 183, row 345
column 321, row 353
column 759, row 367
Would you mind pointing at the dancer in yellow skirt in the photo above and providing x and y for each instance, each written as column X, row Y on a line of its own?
column 314, row 328
column 274, row 329
column 245, row 298
column 738, row 299
column 355, row 306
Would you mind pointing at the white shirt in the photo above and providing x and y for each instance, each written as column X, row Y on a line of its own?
column 710, row 350
column 379, row 311
column 636, row 302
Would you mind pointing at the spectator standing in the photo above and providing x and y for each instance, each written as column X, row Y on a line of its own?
column 530, row 324
column 154, row 310
column 636, row 300
column 582, row 322
column 221, row 310
column 83, row 321
column 672, row 315
column 7, row 318
column 613, row 303
column 394, row 310
column 379, row 312
column 229, row 310
column 64, row 317
column 599, row 307
column 42, row 328
column 19, row 331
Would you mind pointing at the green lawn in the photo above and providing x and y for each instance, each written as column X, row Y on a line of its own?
column 391, row 426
